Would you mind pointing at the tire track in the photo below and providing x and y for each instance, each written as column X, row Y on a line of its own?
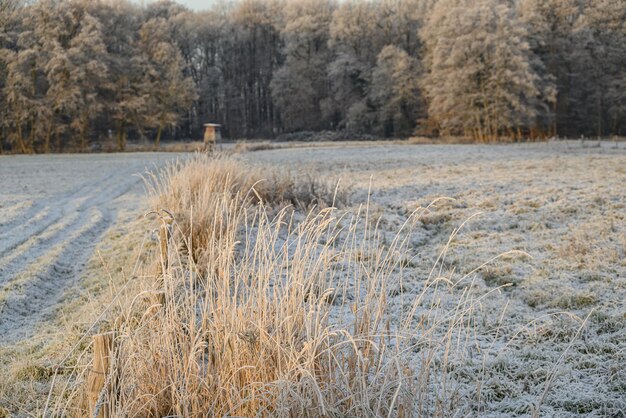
column 44, row 249
column 35, row 300
column 40, row 216
column 37, row 241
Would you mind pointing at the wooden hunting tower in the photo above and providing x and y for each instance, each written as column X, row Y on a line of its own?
column 212, row 133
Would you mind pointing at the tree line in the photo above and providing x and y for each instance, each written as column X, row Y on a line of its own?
column 78, row 72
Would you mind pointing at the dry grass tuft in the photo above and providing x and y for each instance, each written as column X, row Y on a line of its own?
column 210, row 196
column 267, row 312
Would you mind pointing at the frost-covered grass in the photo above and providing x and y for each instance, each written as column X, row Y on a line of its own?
column 564, row 204
column 271, row 311
column 541, row 326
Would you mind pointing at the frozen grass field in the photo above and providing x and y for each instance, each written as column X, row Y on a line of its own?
column 548, row 319
column 54, row 210
column 564, row 205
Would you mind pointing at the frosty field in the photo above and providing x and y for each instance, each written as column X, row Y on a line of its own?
column 561, row 203
column 53, row 211
column 549, row 219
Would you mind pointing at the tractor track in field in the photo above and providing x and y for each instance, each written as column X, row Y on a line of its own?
column 48, row 234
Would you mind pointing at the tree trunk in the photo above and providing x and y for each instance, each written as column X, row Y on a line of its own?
column 31, row 137
column 118, row 137
column 46, row 144
column 157, row 141
column 20, row 140
column 84, row 128
column 59, row 144
column 554, row 126
column 479, row 130
column 83, row 141
column 121, row 136
column 599, row 117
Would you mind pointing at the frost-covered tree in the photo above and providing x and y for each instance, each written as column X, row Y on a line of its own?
column 550, row 26
column 89, row 74
column 483, row 79
column 351, row 37
column 76, row 71
column 28, row 105
column 57, row 27
column 8, row 26
column 582, row 46
column 8, row 10
column 202, row 48
column 300, row 85
column 252, row 52
column 126, row 98
column 600, row 65
column 170, row 92
column 395, row 91
column 18, row 97
column 358, row 33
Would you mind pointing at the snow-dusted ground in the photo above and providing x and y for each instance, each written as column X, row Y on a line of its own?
column 564, row 204
column 53, row 211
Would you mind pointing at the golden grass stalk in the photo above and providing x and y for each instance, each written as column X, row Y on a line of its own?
column 268, row 312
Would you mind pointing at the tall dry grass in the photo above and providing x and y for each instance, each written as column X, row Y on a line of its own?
column 207, row 197
column 271, row 312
